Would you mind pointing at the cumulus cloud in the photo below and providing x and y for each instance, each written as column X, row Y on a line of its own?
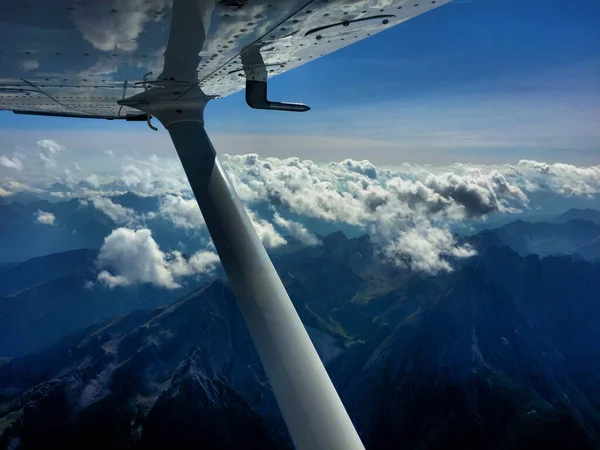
column 183, row 213
column 266, row 231
column 117, row 213
column 14, row 186
column 477, row 193
column 131, row 257
column 45, row 218
column 408, row 210
column 389, row 203
column 153, row 176
column 49, row 150
column 383, row 201
column 425, row 247
column 12, row 163
column 363, row 167
column 296, row 230
column 563, row 179
column 199, row 262
column 93, row 181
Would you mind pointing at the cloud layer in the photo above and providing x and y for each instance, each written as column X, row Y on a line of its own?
column 408, row 210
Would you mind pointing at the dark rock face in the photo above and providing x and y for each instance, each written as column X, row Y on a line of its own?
column 47, row 298
column 177, row 376
column 493, row 360
column 218, row 415
column 37, row 271
column 502, row 353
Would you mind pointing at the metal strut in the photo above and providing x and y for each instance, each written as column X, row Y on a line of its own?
column 309, row 403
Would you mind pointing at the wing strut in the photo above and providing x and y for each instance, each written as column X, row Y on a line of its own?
column 311, row 407
column 309, row 403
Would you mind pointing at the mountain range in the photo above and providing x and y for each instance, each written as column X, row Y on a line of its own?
column 501, row 353
column 577, row 237
column 44, row 299
column 79, row 224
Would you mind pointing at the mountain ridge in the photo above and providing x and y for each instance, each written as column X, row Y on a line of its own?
column 488, row 356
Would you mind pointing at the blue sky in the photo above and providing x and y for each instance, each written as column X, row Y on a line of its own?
column 481, row 81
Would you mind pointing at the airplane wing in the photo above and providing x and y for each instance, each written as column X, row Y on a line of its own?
column 78, row 58
column 93, row 58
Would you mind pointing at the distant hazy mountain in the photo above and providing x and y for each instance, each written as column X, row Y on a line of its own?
column 78, row 225
column 543, row 238
column 23, row 198
column 58, row 187
column 22, row 238
column 37, row 271
column 591, row 215
column 502, row 353
column 36, row 294
column 47, row 298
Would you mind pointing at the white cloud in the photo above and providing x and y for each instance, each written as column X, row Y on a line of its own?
column 45, row 218
column 133, row 257
column 266, row 231
column 93, row 180
column 199, row 262
column 117, row 213
column 391, row 203
column 183, row 213
column 14, row 186
column 563, row 179
column 363, row 167
column 12, row 163
column 296, row 230
column 387, row 202
column 49, row 150
column 154, row 176
column 424, row 247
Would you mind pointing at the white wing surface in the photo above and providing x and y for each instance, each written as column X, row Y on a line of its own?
column 79, row 57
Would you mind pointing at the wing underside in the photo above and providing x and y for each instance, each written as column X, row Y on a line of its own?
column 79, row 58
